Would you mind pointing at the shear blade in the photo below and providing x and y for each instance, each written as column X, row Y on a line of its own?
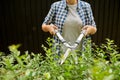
column 65, row 56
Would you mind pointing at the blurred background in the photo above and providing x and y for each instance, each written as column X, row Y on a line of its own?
column 21, row 20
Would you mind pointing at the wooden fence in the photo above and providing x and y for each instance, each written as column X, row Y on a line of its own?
column 20, row 22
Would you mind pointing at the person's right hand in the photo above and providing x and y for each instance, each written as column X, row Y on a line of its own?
column 49, row 28
column 52, row 29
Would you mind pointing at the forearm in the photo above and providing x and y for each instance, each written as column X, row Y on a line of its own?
column 45, row 28
column 92, row 30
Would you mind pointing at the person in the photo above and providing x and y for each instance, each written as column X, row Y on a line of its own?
column 70, row 17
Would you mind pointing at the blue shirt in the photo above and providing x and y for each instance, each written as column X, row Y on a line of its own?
column 58, row 13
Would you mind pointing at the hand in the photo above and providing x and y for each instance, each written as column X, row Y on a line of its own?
column 49, row 28
column 52, row 29
column 89, row 30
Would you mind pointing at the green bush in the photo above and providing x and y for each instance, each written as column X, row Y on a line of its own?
column 102, row 64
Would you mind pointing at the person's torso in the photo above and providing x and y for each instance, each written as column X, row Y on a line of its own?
column 72, row 26
column 61, row 12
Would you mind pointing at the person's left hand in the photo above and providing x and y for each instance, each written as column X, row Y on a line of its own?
column 89, row 30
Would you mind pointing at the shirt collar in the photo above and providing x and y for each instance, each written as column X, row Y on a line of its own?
column 65, row 4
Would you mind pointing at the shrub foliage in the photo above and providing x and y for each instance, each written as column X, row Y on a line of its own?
column 100, row 64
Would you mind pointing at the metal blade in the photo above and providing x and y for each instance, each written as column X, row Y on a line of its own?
column 65, row 55
column 74, row 54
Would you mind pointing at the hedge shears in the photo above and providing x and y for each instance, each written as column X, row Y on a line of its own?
column 70, row 48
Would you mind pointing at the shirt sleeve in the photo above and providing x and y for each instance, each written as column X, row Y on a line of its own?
column 48, row 19
column 90, row 17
